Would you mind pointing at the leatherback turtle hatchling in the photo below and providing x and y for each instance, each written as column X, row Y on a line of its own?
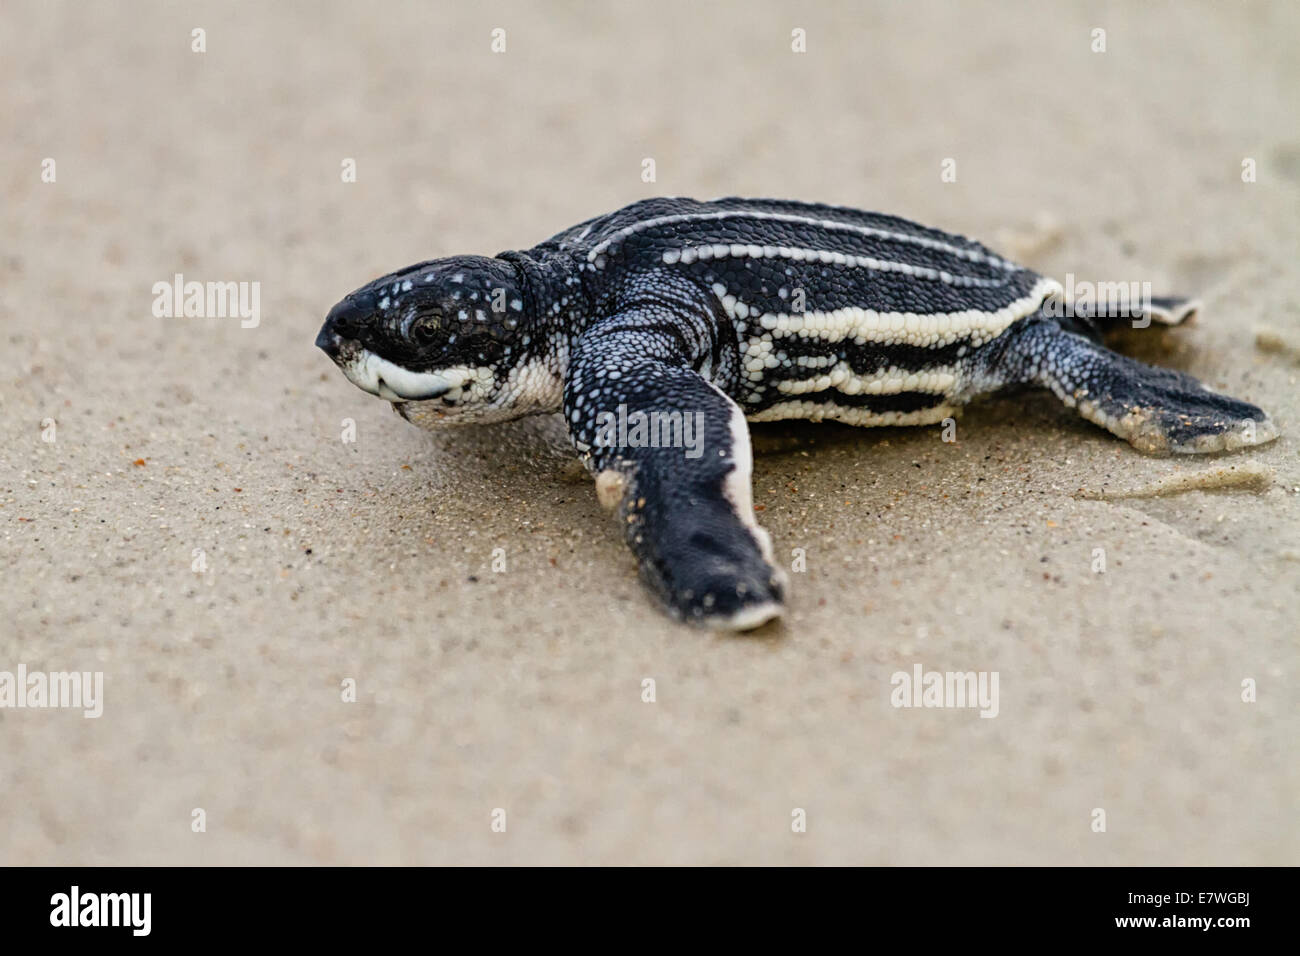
column 694, row 317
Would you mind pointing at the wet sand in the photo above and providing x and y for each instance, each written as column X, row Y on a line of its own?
column 195, row 442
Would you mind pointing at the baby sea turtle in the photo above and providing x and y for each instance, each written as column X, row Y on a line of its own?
column 661, row 328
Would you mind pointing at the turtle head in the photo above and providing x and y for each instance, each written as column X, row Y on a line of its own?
column 445, row 341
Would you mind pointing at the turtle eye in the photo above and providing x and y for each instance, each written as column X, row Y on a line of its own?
column 427, row 327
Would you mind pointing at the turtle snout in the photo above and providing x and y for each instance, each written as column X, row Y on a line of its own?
column 344, row 324
column 329, row 341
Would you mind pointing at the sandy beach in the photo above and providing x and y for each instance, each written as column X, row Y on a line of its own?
column 304, row 636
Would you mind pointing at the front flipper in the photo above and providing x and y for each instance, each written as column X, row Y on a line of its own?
column 671, row 452
column 1156, row 410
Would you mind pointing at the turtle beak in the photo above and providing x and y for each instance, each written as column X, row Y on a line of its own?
column 329, row 341
column 342, row 329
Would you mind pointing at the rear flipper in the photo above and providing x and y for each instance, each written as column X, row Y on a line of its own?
column 1166, row 310
column 1100, row 320
column 1156, row 410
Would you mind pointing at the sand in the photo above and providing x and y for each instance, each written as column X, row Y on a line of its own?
column 328, row 564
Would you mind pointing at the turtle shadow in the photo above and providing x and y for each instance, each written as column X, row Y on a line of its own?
column 774, row 442
column 1161, row 346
